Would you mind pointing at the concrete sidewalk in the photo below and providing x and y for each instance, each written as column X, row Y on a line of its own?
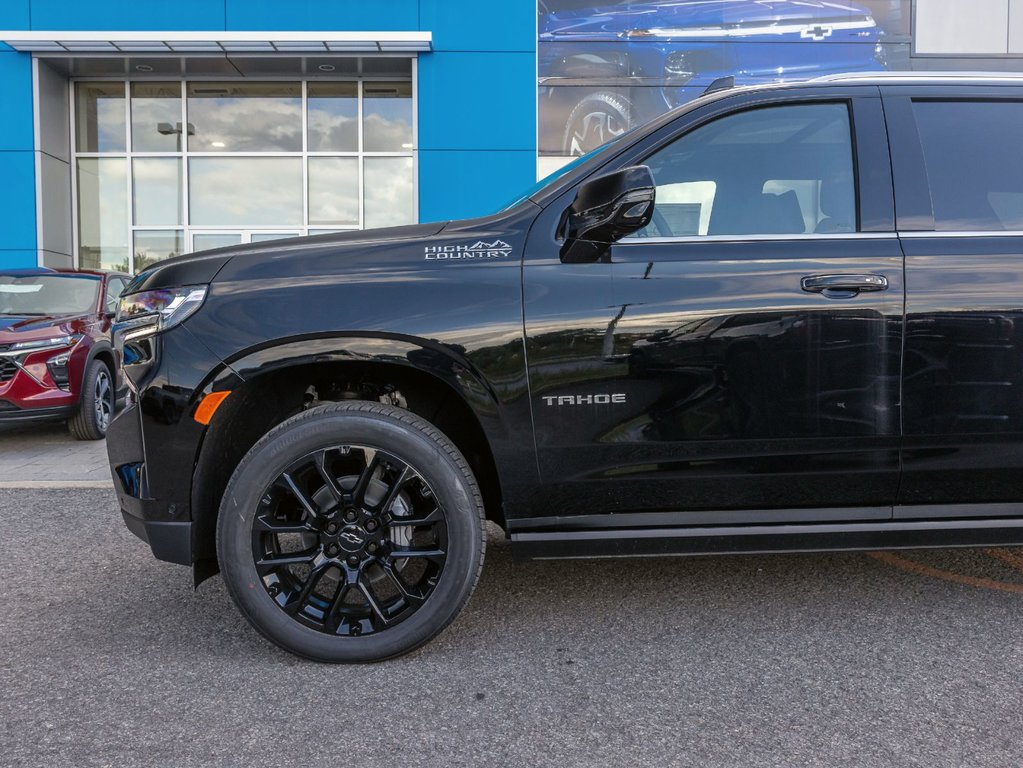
column 46, row 456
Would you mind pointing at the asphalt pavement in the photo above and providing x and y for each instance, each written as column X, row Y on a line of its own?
column 108, row 658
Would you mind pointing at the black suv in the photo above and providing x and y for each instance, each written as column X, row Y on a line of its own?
column 778, row 318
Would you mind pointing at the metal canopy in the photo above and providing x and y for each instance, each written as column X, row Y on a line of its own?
column 57, row 43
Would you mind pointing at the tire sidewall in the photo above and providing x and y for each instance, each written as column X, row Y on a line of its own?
column 305, row 434
column 87, row 400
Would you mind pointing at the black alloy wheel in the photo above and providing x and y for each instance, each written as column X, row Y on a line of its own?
column 365, row 538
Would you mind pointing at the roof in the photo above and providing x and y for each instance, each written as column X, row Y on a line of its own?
column 922, row 78
column 29, row 271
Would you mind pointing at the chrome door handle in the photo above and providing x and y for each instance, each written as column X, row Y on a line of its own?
column 843, row 283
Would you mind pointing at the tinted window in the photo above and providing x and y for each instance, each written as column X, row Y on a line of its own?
column 774, row 170
column 974, row 159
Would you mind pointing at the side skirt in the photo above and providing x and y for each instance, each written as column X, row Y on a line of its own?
column 756, row 539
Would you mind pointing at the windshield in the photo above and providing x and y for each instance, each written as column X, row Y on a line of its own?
column 48, row 294
column 551, row 178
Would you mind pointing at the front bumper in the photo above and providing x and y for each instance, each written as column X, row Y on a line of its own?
column 171, row 542
column 151, row 520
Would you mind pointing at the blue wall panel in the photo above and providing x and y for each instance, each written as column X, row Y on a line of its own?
column 17, row 259
column 477, row 101
column 460, row 184
column 128, row 14
column 14, row 14
column 16, row 129
column 480, row 26
column 357, row 15
column 17, row 209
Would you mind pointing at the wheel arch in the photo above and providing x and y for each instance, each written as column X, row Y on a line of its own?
column 273, row 382
column 102, row 350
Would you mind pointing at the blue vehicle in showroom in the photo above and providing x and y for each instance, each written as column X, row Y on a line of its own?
column 605, row 68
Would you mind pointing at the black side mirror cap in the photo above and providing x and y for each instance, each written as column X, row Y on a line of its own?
column 606, row 209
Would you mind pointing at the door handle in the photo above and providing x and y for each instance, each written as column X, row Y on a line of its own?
column 843, row 284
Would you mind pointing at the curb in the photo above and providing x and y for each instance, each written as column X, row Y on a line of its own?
column 55, row 484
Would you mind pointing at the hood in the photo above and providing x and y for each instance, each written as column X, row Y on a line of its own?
column 202, row 267
column 20, row 328
column 613, row 20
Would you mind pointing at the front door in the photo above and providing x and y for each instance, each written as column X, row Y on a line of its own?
column 748, row 353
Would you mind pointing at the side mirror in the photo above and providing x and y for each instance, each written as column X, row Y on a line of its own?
column 606, row 209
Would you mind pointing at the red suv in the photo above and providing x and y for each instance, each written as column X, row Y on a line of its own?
column 56, row 359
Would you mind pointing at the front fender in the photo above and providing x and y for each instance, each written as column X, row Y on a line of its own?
column 365, row 347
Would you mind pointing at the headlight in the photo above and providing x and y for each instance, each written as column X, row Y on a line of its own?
column 149, row 312
column 56, row 342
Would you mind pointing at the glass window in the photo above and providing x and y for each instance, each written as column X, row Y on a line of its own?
column 334, row 190
column 333, row 117
column 152, row 246
column 244, row 117
column 99, row 117
column 157, row 194
column 114, row 287
column 263, row 237
column 156, row 117
column 388, row 191
column 387, row 117
column 974, row 163
column 773, row 170
column 245, row 191
column 103, row 213
column 189, row 164
column 202, row 241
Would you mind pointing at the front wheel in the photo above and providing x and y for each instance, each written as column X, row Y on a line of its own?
column 95, row 404
column 351, row 532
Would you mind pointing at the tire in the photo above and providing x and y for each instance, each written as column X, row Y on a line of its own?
column 96, row 403
column 597, row 119
column 306, row 503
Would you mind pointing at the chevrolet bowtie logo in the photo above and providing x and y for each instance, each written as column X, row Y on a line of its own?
column 816, row 32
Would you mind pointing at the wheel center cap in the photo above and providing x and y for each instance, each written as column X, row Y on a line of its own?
column 352, row 538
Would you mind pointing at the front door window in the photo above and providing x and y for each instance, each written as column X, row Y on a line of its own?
column 769, row 171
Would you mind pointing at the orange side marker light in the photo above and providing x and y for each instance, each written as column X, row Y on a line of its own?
column 209, row 406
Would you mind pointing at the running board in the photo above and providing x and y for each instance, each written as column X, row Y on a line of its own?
column 763, row 539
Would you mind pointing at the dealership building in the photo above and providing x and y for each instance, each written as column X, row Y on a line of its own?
column 136, row 130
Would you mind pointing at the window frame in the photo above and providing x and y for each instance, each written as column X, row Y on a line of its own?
column 184, row 154
column 911, row 181
column 870, row 143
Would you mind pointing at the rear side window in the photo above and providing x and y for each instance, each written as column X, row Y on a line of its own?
column 973, row 152
column 772, row 170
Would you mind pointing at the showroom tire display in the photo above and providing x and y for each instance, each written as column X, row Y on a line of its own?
column 351, row 532
column 96, row 404
column 598, row 118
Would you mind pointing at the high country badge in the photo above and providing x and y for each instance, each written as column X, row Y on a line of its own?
column 478, row 250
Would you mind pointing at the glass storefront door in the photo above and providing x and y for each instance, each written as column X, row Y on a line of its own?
column 163, row 168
